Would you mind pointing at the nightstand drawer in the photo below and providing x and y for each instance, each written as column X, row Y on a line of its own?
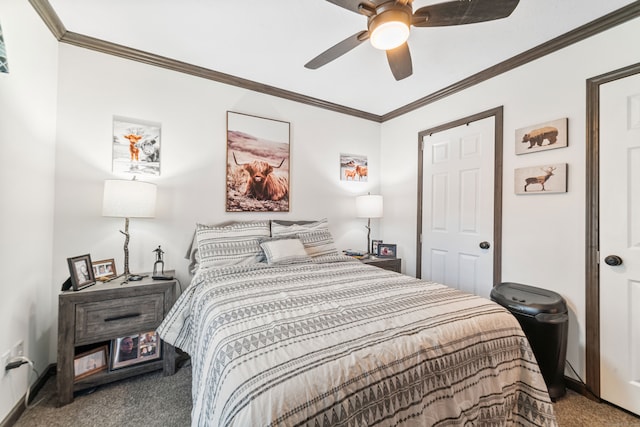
column 109, row 318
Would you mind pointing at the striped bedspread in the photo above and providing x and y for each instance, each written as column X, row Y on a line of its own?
column 343, row 343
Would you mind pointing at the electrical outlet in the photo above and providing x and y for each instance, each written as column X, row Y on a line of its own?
column 18, row 349
column 4, row 359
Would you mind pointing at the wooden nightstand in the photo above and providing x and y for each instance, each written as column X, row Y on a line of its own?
column 393, row 264
column 102, row 312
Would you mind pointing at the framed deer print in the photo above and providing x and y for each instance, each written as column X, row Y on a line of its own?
column 544, row 179
column 543, row 136
column 257, row 164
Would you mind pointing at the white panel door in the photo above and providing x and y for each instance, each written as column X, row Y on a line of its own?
column 458, row 207
column 620, row 236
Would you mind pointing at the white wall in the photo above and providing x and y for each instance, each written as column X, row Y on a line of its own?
column 27, row 138
column 94, row 87
column 543, row 236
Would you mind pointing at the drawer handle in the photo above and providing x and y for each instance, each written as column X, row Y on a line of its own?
column 124, row 316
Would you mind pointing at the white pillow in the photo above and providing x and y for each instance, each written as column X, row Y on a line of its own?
column 234, row 244
column 284, row 252
column 318, row 243
column 281, row 230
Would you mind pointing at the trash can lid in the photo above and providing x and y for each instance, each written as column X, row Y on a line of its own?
column 528, row 299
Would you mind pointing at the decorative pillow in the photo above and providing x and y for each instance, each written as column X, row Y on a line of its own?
column 318, row 243
column 234, row 244
column 285, row 251
column 192, row 250
column 285, row 228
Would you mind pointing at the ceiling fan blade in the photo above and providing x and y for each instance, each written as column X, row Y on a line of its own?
column 354, row 5
column 337, row 50
column 400, row 61
column 458, row 12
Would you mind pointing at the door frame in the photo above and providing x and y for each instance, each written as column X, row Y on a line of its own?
column 592, row 246
column 498, row 115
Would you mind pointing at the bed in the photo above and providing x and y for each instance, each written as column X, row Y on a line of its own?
column 300, row 335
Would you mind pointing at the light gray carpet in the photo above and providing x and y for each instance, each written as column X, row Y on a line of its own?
column 145, row 400
column 154, row 400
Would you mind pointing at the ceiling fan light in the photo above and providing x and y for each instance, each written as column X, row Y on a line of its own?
column 389, row 29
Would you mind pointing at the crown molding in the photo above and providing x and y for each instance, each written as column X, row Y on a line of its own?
column 51, row 19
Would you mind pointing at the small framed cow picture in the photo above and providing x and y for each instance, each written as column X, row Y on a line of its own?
column 354, row 167
column 136, row 146
column 543, row 136
column 257, row 164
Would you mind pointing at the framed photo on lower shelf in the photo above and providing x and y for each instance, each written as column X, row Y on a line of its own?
column 133, row 349
column 90, row 362
column 387, row 250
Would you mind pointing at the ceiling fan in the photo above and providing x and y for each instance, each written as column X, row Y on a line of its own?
column 389, row 21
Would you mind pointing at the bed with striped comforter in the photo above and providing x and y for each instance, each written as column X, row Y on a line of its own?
column 343, row 343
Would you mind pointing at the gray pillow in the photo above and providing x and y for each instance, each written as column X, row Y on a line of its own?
column 238, row 243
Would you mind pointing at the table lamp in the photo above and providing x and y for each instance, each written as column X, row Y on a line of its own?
column 369, row 206
column 128, row 199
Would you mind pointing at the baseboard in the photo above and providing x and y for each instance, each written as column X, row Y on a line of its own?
column 18, row 410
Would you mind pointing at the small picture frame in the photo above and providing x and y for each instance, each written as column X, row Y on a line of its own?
column 90, row 362
column 81, row 272
column 136, row 146
column 133, row 349
column 354, row 167
column 387, row 250
column 374, row 246
column 543, row 136
column 542, row 179
column 104, row 270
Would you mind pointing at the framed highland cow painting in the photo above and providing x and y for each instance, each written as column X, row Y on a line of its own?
column 543, row 136
column 257, row 164
column 4, row 65
column 354, row 167
column 136, row 146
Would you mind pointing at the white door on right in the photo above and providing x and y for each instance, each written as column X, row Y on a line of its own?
column 620, row 242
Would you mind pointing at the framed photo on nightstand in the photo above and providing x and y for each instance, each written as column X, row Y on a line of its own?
column 374, row 246
column 104, row 270
column 81, row 272
column 387, row 250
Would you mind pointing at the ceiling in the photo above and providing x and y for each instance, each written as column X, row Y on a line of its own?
column 268, row 42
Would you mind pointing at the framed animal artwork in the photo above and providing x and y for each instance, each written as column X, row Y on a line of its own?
column 258, row 154
column 136, row 146
column 4, row 64
column 542, row 179
column 543, row 136
column 354, row 167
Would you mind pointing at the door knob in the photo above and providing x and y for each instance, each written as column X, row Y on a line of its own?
column 613, row 260
column 484, row 245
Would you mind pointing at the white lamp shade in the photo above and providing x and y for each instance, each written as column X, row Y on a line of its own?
column 129, row 199
column 369, row 206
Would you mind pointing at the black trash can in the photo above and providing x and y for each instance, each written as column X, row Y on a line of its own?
column 542, row 314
